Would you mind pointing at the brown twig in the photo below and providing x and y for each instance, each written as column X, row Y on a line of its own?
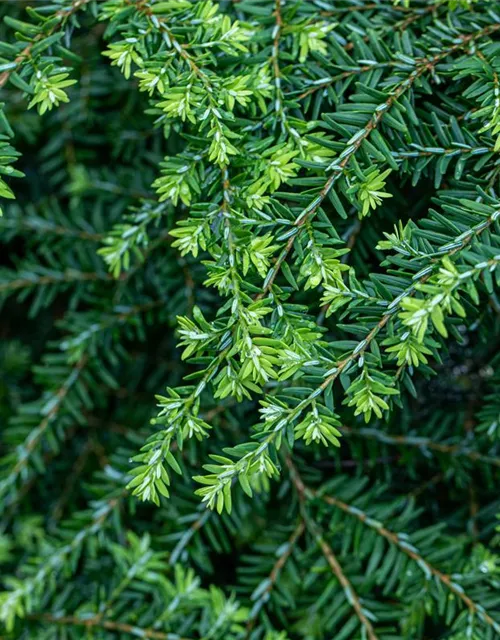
column 457, row 450
column 66, row 276
column 333, row 563
column 275, row 573
column 346, row 585
column 97, row 622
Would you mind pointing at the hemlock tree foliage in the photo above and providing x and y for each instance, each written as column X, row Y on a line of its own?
column 282, row 220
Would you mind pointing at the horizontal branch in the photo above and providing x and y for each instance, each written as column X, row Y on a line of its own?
column 63, row 277
column 97, row 622
column 458, row 449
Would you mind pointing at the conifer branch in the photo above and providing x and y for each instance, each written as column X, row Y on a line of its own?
column 275, row 574
column 395, row 539
column 409, row 550
column 353, row 145
column 51, row 409
column 19, row 599
column 414, row 15
column 62, row 16
column 110, row 625
column 188, row 535
column 317, row 227
column 415, row 10
column 458, row 450
column 338, row 572
column 362, row 346
column 41, row 225
column 64, row 277
column 13, row 499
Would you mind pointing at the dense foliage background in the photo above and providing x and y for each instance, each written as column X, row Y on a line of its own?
column 303, row 197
